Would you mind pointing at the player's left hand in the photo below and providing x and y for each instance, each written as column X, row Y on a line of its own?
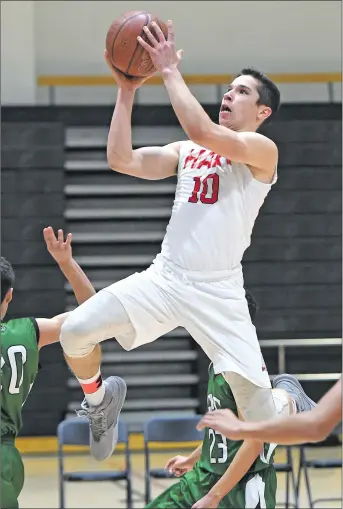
column 162, row 52
column 59, row 249
column 207, row 502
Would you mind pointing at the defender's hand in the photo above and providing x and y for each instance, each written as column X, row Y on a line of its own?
column 59, row 249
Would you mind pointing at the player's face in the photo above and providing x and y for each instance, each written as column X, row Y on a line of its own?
column 5, row 303
column 239, row 109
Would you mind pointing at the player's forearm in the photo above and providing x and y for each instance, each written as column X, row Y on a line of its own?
column 285, row 431
column 240, row 465
column 195, row 456
column 82, row 287
column 119, row 142
column 188, row 110
column 313, row 426
column 192, row 116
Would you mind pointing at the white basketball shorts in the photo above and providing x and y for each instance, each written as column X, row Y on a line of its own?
column 211, row 306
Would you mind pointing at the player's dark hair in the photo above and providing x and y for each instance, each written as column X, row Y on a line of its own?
column 252, row 304
column 269, row 94
column 7, row 277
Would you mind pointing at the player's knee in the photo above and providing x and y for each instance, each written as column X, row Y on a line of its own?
column 254, row 403
column 76, row 338
column 283, row 403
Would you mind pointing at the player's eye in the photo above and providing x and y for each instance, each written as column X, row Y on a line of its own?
column 243, row 91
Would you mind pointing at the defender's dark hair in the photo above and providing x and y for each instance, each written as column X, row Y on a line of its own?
column 252, row 304
column 7, row 277
column 268, row 91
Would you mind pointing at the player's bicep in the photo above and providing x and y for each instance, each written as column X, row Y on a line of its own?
column 50, row 329
column 248, row 148
column 152, row 163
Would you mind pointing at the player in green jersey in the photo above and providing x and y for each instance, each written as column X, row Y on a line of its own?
column 21, row 340
column 224, row 473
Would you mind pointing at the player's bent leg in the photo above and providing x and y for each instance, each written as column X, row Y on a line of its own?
column 171, row 498
column 191, row 487
column 98, row 319
column 254, row 403
column 258, row 403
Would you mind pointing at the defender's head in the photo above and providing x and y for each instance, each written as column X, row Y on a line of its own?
column 7, row 280
column 251, row 100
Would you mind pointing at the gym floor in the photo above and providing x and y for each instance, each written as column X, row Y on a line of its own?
column 41, row 484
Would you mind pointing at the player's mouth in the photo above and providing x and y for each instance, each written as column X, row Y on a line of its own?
column 225, row 109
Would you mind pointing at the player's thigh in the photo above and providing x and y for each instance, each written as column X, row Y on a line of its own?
column 255, row 403
column 12, row 476
column 253, row 491
column 191, row 487
column 96, row 318
column 8, row 497
column 216, row 315
column 171, row 498
column 122, row 311
column 148, row 302
column 261, row 488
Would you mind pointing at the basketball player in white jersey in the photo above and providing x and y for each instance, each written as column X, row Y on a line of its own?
column 224, row 174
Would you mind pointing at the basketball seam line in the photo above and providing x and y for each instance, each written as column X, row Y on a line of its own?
column 121, row 26
column 138, row 46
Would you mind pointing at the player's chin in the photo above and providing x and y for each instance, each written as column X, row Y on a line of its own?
column 225, row 122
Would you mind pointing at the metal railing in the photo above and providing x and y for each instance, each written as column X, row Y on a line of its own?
column 282, row 344
column 217, row 80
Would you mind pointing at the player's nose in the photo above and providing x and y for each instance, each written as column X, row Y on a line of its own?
column 228, row 96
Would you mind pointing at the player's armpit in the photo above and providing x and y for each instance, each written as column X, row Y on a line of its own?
column 253, row 149
column 50, row 329
column 151, row 163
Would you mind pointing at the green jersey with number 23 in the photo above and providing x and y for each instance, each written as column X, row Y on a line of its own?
column 218, row 451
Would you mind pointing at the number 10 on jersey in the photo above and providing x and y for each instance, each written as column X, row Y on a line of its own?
column 206, row 190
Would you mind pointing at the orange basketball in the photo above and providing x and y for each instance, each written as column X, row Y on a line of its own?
column 125, row 52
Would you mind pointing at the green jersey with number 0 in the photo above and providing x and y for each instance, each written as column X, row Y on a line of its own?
column 218, row 451
column 19, row 366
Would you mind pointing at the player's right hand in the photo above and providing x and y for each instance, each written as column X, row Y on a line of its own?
column 122, row 80
column 179, row 465
column 225, row 422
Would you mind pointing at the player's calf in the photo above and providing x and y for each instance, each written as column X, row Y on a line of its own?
column 98, row 319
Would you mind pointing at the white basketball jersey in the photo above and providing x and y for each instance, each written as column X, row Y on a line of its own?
column 215, row 208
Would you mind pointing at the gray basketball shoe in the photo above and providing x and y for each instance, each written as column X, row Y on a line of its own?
column 103, row 418
column 290, row 384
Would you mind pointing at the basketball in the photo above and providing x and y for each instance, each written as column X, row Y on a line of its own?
column 125, row 52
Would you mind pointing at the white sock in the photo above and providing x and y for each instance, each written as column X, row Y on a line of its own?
column 94, row 389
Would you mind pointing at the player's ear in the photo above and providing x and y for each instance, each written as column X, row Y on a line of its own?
column 9, row 296
column 263, row 113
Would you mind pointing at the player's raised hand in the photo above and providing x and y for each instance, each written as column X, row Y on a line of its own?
column 123, row 81
column 179, row 465
column 59, row 248
column 162, row 52
column 224, row 421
